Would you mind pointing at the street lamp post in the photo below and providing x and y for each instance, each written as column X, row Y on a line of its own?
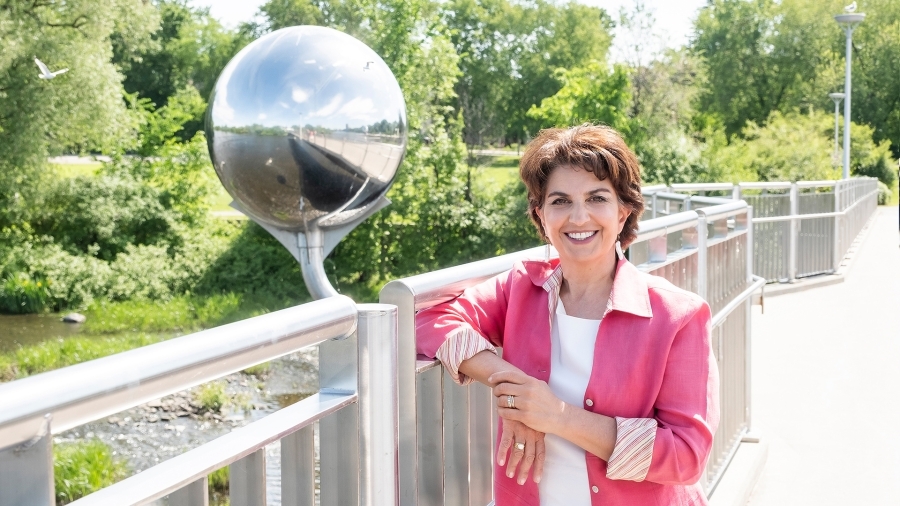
column 848, row 22
column 837, row 97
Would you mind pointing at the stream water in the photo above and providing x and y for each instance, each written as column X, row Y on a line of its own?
column 27, row 329
column 157, row 431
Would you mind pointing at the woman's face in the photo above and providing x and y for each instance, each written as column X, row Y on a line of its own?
column 581, row 215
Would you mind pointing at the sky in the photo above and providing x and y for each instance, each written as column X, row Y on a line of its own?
column 672, row 29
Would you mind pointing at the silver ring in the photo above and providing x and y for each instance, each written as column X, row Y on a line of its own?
column 520, row 446
column 510, row 402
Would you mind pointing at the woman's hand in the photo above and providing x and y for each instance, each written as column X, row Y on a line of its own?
column 531, row 456
column 535, row 404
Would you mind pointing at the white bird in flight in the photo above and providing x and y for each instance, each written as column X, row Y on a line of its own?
column 850, row 8
column 45, row 72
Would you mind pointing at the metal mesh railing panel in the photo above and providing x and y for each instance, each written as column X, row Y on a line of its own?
column 726, row 271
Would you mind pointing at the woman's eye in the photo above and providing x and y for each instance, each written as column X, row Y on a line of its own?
column 597, row 198
column 558, row 202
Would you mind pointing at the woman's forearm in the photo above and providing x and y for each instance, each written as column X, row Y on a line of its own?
column 481, row 365
column 593, row 432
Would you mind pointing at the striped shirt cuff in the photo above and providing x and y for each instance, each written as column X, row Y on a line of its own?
column 630, row 459
column 462, row 344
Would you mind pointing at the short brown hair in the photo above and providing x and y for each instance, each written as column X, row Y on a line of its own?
column 595, row 148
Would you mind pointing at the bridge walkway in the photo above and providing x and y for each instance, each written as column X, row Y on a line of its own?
column 826, row 383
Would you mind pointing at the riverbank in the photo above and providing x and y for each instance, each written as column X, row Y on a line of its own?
column 32, row 344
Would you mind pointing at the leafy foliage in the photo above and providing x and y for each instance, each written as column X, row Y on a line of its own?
column 83, row 467
column 589, row 94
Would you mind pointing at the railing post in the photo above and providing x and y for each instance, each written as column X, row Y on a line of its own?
column 338, row 433
column 795, row 232
column 837, row 255
column 655, row 203
column 736, row 192
column 702, row 256
column 26, row 471
column 194, row 494
column 298, row 480
column 378, row 409
column 247, row 480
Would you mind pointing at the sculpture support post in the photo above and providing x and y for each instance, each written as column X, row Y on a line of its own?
column 312, row 258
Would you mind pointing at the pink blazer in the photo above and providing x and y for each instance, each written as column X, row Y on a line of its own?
column 652, row 359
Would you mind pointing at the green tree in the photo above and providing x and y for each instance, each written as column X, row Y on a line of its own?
column 80, row 110
column 189, row 48
column 762, row 56
column 509, row 52
column 591, row 94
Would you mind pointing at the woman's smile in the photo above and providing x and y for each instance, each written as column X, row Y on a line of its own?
column 582, row 216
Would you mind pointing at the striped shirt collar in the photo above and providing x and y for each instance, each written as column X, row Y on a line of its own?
column 629, row 290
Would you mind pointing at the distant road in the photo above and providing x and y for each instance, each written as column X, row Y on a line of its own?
column 494, row 152
column 78, row 160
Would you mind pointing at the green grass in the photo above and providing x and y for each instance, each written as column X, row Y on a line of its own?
column 895, row 193
column 211, row 396
column 56, row 353
column 68, row 170
column 83, row 467
column 220, row 199
column 114, row 327
column 185, row 313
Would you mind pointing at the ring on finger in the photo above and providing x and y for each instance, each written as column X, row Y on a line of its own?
column 520, row 446
column 511, row 401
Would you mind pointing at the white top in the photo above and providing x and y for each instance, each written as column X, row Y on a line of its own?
column 565, row 479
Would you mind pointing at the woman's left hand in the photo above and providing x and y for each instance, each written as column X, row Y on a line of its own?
column 535, row 404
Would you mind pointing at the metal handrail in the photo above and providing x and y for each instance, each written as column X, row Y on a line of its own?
column 719, row 211
column 702, row 186
column 182, row 470
column 84, row 392
column 772, row 219
column 664, row 225
column 735, row 303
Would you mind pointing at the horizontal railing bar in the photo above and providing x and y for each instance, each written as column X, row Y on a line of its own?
column 771, row 219
column 665, row 225
column 713, row 201
column 766, row 185
column 654, row 188
column 432, row 288
column 672, row 196
column 85, row 392
column 715, row 212
column 723, row 313
column 424, row 364
column 774, row 219
column 703, row 186
column 169, row 476
column 815, row 184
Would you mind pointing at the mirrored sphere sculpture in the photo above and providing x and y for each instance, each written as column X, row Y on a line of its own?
column 306, row 128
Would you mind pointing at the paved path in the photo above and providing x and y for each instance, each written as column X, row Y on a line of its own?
column 826, row 379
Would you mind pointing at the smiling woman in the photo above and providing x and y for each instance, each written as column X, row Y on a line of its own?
column 607, row 387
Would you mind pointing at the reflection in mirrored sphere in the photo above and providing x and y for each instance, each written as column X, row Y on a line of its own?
column 306, row 127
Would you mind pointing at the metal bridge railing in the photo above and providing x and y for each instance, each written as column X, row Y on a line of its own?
column 355, row 409
column 447, row 432
column 800, row 229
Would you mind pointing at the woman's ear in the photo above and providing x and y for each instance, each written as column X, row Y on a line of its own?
column 624, row 213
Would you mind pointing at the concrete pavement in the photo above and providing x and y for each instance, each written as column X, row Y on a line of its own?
column 826, row 383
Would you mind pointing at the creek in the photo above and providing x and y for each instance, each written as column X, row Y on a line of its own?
column 161, row 429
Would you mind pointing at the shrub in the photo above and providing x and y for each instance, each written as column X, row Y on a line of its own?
column 211, row 396
column 21, row 294
column 102, row 215
column 884, row 194
column 83, row 467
